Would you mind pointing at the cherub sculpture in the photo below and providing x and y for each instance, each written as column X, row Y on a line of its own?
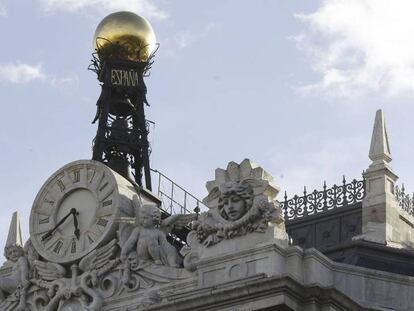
column 147, row 242
column 20, row 271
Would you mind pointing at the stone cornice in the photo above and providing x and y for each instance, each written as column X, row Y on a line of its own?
column 283, row 291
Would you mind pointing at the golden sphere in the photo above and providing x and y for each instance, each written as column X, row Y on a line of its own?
column 124, row 36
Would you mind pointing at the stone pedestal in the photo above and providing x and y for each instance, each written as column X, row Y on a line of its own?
column 238, row 258
column 383, row 221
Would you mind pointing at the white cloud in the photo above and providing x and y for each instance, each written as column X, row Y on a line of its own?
column 360, row 47
column 144, row 7
column 64, row 82
column 184, row 39
column 20, row 73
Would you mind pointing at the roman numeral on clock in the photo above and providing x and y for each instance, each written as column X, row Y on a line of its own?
column 76, row 176
column 73, row 247
column 49, row 201
column 58, row 247
column 61, row 185
column 103, row 187
column 102, row 222
column 106, row 203
column 44, row 220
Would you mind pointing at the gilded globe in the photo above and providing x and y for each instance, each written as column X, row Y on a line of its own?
column 124, row 36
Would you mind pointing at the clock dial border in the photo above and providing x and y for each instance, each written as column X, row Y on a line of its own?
column 100, row 182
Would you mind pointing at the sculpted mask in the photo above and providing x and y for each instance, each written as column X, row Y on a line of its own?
column 240, row 201
column 235, row 200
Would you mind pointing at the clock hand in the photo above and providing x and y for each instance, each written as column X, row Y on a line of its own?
column 50, row 232
column 75, row 222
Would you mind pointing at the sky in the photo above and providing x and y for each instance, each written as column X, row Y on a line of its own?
column 292, row 85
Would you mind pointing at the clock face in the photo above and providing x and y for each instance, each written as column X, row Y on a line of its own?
column 86, row 187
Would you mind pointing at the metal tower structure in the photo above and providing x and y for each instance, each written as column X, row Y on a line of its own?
column 121, row 63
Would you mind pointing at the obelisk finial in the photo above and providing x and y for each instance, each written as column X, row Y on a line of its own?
column 15, row 232
column 380, row 151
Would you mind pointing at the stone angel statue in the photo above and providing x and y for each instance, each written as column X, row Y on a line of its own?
column 17, row 282
column 147, row 243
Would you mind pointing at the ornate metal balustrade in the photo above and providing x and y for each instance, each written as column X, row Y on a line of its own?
column 405, row 201
column 325, row 200
column 174, row 198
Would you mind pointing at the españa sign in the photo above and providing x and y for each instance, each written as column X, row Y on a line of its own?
column 124, row 77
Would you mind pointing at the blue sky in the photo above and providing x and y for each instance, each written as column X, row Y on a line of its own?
column 293, row 85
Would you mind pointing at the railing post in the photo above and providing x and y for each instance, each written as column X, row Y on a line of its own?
column 172, row 205
column 305, row 202
column 185, row 204
column 172, row 198
column 344, row 191
column 197, row 209
column 159, row 182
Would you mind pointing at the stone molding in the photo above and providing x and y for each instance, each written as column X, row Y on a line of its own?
column 310, row 267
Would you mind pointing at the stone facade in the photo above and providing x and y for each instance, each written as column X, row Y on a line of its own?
column 237, row 256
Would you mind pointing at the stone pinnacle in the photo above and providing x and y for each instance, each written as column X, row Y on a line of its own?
column 380, row 151
column 15, row 231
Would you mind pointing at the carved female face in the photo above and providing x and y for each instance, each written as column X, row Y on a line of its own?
column 234, row 207
column 235, row 200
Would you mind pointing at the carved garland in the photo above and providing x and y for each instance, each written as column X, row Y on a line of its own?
column 256, row 219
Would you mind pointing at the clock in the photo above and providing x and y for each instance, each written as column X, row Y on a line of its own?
column 76, row 210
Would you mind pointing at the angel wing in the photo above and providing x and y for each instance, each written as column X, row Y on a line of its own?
column 99, row 258
column 9, row 304
column 49, row 271
column 177, row 221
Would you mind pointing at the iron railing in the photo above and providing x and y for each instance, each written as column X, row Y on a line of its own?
column 174, row 198
column 325, row 200
column 405, row 201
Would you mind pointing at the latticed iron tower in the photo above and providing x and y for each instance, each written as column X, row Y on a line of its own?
column 121, row 62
